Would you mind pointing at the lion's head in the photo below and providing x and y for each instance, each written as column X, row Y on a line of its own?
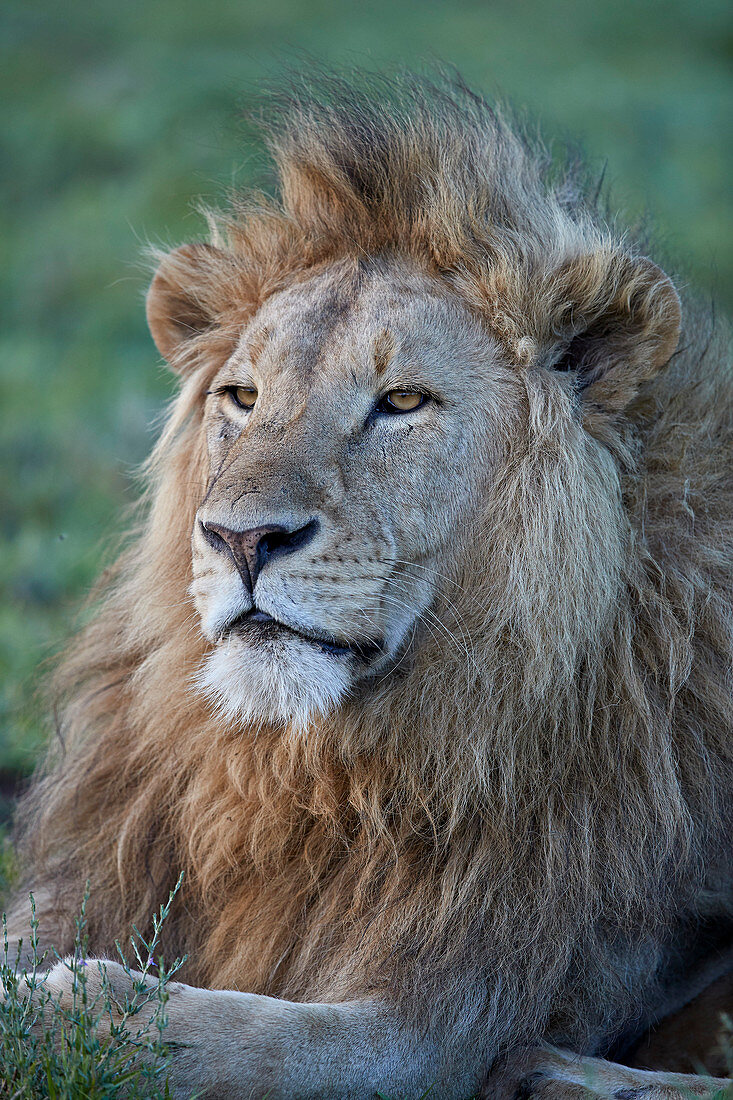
column 351, row 436
column 373, row 395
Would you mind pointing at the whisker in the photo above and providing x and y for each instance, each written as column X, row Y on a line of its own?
column 443, row 576
column 436, row 622
column 463, row 643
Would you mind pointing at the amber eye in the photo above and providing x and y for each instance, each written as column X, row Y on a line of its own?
column 401, row 401
column 243, row 396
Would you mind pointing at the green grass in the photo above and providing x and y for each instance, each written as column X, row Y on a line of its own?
column 86, row 1044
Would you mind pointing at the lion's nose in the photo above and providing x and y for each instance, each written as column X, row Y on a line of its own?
column 253, row 548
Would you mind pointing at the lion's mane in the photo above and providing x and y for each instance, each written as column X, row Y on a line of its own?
column 500, row 820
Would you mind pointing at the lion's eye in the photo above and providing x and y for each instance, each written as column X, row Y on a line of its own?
column 401, row 401
column 243, row 396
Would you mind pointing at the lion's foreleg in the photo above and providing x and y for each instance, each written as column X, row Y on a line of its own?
column 228, row 1044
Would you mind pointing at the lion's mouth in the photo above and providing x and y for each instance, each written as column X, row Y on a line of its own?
column 260, row 625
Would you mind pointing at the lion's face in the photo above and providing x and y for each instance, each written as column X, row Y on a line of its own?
column 347, row 458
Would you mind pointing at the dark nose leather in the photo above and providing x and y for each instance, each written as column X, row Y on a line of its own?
column 252, row 549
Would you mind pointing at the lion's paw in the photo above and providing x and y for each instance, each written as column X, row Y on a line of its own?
column 544, row 1073
column 107, row 993
column 101, row 979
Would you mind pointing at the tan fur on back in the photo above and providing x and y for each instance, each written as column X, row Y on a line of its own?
column 546, row 778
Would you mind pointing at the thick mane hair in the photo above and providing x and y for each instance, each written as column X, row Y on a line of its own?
column 540, row 763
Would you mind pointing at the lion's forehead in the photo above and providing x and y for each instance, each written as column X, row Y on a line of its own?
column 341, row 322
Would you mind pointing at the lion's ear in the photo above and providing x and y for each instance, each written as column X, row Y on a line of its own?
column 615, row 321
column 184, row 299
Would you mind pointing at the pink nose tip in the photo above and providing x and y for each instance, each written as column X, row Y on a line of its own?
column 252, row 549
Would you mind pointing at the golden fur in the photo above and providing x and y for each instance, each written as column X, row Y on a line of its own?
column 497, row 835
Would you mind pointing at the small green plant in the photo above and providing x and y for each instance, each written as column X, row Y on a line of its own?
column 89, row 1042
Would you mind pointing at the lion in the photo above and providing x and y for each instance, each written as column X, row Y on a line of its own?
column 418, row 662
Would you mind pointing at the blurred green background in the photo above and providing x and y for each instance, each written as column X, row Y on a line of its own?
column 118, row 116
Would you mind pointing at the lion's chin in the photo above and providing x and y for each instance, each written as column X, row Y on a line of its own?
column 290, row 682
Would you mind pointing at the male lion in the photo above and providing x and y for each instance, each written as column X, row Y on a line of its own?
column 419, row 663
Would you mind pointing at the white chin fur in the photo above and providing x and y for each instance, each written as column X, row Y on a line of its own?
column 290, row 682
